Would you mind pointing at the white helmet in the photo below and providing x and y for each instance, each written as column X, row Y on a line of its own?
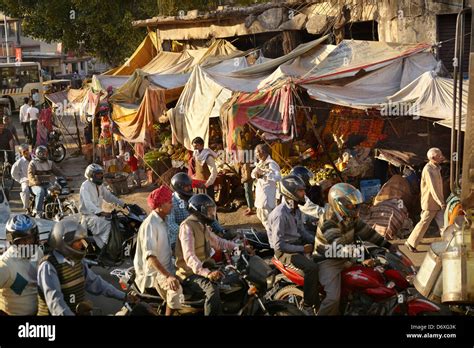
column 95, row 173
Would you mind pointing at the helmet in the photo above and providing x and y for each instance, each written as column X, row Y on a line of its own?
column 344, row 199
column 203, row 207
column 94, row 173
column 23, row 147
column 289, row 186
column 178, row 183
column 21, row 226
column 64, row 234
column 41, row 153
column 303, row 173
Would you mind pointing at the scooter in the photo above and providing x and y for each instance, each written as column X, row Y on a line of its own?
column 243, row 290
column 382, row 289
column 56, row 150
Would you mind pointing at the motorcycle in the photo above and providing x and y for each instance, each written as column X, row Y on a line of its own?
column 243, row 290
column 56, row 204
column 382, row 289
column 56, row 150
column 125, row 224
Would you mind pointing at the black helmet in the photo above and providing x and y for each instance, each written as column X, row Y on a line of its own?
column 19, row 227
column 203, row 207
column 41, row 153
column 64, row 234
column 303, row 173
column 289, row 185
column 178, row 183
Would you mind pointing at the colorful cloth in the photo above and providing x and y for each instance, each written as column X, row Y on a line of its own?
column 159, row 196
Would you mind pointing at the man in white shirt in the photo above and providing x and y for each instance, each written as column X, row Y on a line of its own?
column 92, row 194
column 24, row 120
column 204, row 166
column 267, row 173
column 153, row 264
column 33, row 117
column 20, row 174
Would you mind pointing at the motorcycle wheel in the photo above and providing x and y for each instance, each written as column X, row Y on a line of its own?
column 58, row 153
column 291, row 294
column 282, row 309
column 70, row 209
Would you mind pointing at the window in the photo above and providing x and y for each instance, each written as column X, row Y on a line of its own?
column 18, row 77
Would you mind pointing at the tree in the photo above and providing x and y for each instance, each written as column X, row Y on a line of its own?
column 100, row 28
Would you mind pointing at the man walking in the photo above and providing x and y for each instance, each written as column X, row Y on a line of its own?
column 432, row 198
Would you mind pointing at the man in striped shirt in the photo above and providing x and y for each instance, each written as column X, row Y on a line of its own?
column 336, row 236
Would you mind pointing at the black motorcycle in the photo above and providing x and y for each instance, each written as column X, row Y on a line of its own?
column 122, row 240
column 243, row 290
column 56, row 204
column 56, row 150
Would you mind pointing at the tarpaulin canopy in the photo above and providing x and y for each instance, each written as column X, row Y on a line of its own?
column 136, row 124
column 142, row 56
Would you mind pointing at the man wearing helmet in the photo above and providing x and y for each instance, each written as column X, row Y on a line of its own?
column 336, row 235
column 181, row 184
column 20, row 174
column 64, row 277
column 312, row 208
column 92, row 195
column 193, row 248
column 153, row 263
column 290, row 240
column 18, row 267
column 40, row 172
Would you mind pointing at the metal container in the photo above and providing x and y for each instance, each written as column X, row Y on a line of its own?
column 458, row 266
column 437, row 292
column 430, row 269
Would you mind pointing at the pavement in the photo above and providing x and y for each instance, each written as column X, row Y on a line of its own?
column 75, row 167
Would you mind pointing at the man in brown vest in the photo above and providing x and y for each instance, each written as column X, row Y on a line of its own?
column 193, row 248
column 64, row 278
column 204, row 166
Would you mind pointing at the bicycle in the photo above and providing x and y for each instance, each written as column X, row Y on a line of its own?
column 6, row 172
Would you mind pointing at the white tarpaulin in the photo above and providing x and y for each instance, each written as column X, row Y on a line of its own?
column 373, row 89
column 352, row 56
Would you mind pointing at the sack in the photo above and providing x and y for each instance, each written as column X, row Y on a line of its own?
column 396, row 188
column 113, row 249
column 387, row 218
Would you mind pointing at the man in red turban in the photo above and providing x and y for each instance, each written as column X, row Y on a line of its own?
column 153, row 264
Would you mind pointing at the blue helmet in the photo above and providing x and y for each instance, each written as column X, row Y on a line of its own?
column 21, row 226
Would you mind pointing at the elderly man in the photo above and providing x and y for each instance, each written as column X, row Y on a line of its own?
column 20, row 174
column 432, row 198
column 267, row 173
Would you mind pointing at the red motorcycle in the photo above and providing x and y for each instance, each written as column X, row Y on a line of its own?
column 384, row 289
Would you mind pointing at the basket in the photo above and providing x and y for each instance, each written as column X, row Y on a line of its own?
column 117, row 182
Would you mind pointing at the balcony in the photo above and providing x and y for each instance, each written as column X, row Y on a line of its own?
column 3, row 49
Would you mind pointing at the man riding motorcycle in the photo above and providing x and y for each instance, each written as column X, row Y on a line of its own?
column 290, row 240
column 64, row 277
column 40, row 173
column 193, row 248
column 312, row 208
column 20, row 174
column 18, row 267
column 181, row 184
column 92, row 195
column 335, row 238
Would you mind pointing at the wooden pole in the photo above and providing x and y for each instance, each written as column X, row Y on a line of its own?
column 78, row 133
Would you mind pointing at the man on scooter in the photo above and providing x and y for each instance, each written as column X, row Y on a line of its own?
column 20, row 174
column 181, row 184
column 40, row 173
column 312, row 208
column 153, row 264
column 290, row 240
column 18, row 267
column 64, row 277
column 92, row 195
column 193, row 248
column 335, row 238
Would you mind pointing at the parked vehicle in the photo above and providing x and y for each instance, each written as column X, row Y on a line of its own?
column 56, row 150
column 384, row 289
